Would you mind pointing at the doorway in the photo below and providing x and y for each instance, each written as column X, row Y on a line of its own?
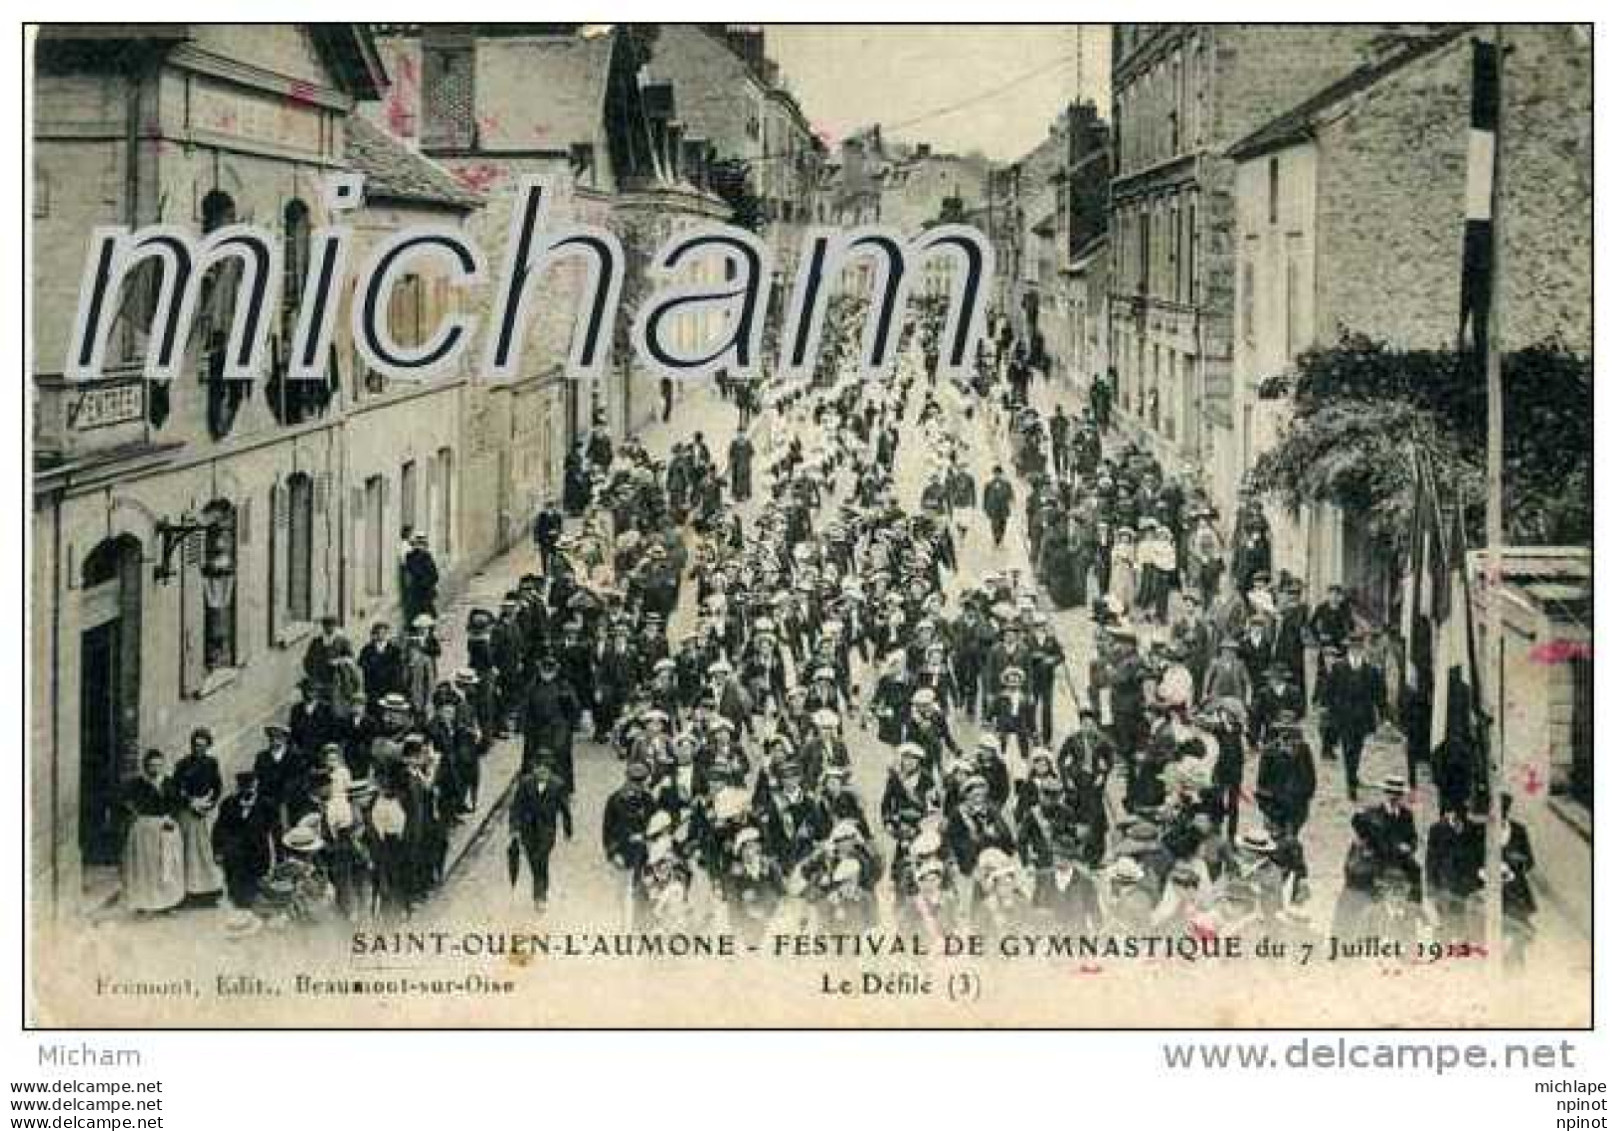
column 109, row 691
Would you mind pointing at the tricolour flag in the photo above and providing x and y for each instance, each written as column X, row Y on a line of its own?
column 1476, row 283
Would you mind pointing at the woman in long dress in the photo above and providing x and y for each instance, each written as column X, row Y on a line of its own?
column 153, row 866
column 197, row 787
column 1123, row 570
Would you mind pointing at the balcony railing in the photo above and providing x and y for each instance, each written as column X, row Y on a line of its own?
column 74, row 419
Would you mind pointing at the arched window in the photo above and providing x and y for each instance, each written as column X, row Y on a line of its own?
column 294, row 261
column 295, row 402
column 216, row 307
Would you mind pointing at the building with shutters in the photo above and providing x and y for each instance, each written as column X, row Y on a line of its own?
column 188, row 535
column 1181, row 94
column 1349, row 219
column 494, row 103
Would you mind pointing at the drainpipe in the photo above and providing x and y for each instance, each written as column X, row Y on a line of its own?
column 56, row 701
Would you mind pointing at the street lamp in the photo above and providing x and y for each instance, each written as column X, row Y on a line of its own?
column 172, row 536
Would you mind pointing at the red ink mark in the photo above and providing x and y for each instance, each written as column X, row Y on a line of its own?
column 399, row 118
column 1087, row 968
column 405, row 65
column 1533, row 783
column 1561, row 652
column 489, row 122
column 300, row 93
column 1203, row 931
column 478, row 178
column 539, row 131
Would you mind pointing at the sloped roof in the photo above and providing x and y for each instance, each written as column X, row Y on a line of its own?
column 1297, row 123
column 394, row 172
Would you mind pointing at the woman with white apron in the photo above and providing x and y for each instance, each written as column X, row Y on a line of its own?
column 153, row 867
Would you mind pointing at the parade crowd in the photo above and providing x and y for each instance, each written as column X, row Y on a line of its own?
column 741, row 630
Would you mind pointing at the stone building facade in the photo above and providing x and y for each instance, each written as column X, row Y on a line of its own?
column 1181, row 93
column 1350, row 215
column 499, row 102
column 185, row 534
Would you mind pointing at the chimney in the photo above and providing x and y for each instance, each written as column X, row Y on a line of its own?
column 923, row 150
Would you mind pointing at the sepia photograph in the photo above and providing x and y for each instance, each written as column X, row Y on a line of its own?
column 807, row 526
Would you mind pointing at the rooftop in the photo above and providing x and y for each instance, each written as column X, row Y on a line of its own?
column 1296, row 124
column 393, row 171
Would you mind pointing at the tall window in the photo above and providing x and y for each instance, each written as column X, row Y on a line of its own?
column 407, row 320
column 299, row 491
column 1144, row 249
column 217, row 305
column 1293, row 294
column 295, row 402
column 1248, row 298
column 1189, row 252
column 443, row 536
column 375, row 535
column 406, row 495
column 294, row 262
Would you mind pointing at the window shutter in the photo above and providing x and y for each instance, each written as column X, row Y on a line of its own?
column 193, row 668
column 277, row 558
column 322, row 492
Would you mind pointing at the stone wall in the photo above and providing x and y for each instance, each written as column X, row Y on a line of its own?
column 1392, row 198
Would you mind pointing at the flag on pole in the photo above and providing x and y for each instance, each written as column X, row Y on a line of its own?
column 1425, row 573
column 1437, row 625
column 1453, row 652
column 1476, row 285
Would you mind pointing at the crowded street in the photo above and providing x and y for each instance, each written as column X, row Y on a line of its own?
column 1169, row 837
column 587, row 890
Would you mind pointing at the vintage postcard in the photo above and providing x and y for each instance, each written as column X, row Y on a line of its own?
column 786, row 525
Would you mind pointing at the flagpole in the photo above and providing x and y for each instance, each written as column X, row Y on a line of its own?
column 1495, row 540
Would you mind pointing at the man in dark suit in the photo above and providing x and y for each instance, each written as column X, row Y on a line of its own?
column 280, row 769
column 1392, row 837
column 1290, row 638
column 1257, row 645
column 1044, row 657
column 1332, row 618
column 1286, row 776
column 1066, row 892
column 381, row 662
column 310, row 720
column 997, row 498
column 538, row 807
column 1013, row 713
column 1353, row 695
column 551, row 713
column 547, row 526
column 243, row 840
